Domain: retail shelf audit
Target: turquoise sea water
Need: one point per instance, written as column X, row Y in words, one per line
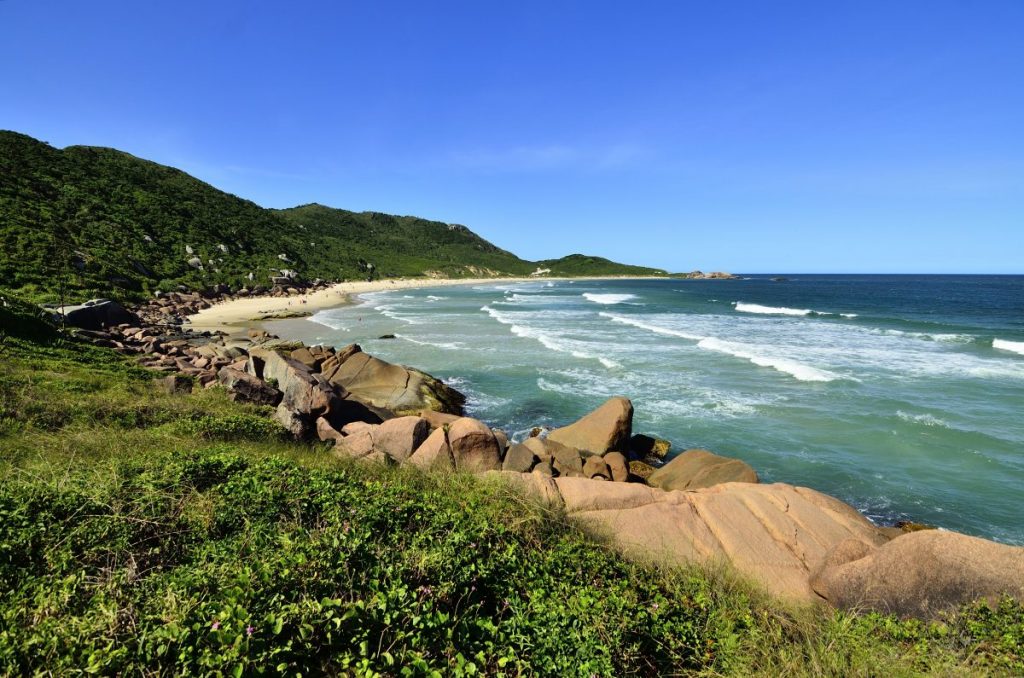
column 902, row 395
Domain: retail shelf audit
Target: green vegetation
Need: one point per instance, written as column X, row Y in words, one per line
column 148, row 533
column 100, row 222
column 582, row 265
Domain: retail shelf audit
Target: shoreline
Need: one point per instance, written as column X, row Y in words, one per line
column 239, row 314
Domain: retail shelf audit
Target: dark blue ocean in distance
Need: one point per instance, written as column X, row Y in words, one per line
column 902, row 395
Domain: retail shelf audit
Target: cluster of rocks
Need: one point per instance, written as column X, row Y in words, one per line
column 594, row 448
column 173, row 308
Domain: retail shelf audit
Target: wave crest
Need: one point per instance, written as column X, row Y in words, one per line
column 608, row 299
column 790, row 367
column 1012, row 346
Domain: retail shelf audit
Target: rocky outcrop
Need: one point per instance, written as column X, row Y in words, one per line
column 403, row 390
column 394, row 440
column 605, row 429
column 775, row 535
column 474, row 446
column 519, row 458
column 245, row 388
column 694, row 469
column 97, row 314
column 919, row 574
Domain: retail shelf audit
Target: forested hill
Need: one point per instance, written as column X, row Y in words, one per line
column 104, row 223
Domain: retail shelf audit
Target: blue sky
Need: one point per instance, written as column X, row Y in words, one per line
column 745, row 136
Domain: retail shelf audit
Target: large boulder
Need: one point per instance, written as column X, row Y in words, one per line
column 400, row 437
column 564, row 460
column 403, row 390
column 772, row 534
column 395, row 439
column 474, row 446
column 360, row 445
column 244, row 387
column 98, row 314
column 519, row 458
column 919, row 574
column 605, row 429
column 694, row 469
column 434, row 454
column 617, row 466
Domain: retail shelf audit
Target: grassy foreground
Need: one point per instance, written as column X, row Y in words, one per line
column 148, row 534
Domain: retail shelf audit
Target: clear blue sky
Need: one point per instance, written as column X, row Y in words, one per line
column 745, row 136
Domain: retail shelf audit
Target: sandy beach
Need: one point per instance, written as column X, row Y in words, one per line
column 232, row 316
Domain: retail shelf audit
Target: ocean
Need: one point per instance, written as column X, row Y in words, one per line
column 902, row 395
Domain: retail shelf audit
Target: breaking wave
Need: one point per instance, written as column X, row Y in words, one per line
column 548, row 341
column 650, row 328
column 790, row 367
column 1012, row 346
column 452, row 345
column 923, row 419
column 770, row 310
column 608, row 299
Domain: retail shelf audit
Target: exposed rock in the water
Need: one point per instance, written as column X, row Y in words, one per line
column 98, row 314
column 606, row 428
column 694, row 469
column 387, row 336
column 919, row 574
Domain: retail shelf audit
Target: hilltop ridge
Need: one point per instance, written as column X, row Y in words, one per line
column 102, row 222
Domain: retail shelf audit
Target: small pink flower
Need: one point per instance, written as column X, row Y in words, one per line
column 215, row 625
column 249, row 630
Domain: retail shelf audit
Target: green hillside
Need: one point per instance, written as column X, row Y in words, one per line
column 583, row 265
column 398, row 246
column 101, row 222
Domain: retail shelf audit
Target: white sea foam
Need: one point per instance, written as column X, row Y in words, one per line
column 547, row 340
column 431, row 297
column 770, row 310
column 790, row 367
column 650, row 328
column 326, row 319
column 941, row 337
column 450, row 345
column 608, row 298
column 390, row 313
column 848, row 315
column 1012, row 346
column 924, row 419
